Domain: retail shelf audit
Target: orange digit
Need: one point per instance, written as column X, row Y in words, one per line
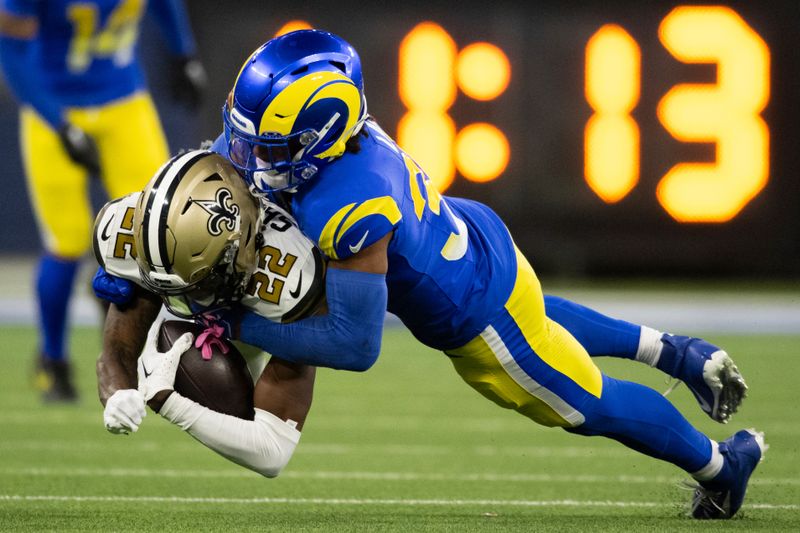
column 611, row 164
column 427, row 88
column 726, row 113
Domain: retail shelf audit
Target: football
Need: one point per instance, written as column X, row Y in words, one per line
column 222, row 383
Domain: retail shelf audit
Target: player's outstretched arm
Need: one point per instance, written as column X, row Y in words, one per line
column 349, row 336
column 285, row 389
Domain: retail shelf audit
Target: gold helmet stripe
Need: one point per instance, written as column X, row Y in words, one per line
column 283, row 111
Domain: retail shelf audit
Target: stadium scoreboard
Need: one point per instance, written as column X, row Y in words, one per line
column 614, row 139
column 627, row 138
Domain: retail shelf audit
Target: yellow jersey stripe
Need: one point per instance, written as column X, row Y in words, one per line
column 383, row 205
column 329, row 231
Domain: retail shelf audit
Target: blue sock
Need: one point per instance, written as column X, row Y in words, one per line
column 54, row 281
column 597, row 333
column 642, row 419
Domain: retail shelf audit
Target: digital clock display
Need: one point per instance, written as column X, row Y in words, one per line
column 614, row 138
column 623, row 138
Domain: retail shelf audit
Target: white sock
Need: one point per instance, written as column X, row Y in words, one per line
column 713, row 467
column 649, row 350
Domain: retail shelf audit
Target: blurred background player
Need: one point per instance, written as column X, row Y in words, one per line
column 85, row 112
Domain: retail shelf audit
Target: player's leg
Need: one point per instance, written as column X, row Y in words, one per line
column 707, row 370
column 602, row 335
column 58, row 192
column 133, row 145
column 529, row 363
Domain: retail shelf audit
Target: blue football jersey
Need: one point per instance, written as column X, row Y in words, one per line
column 86, row 50
column 452, row 263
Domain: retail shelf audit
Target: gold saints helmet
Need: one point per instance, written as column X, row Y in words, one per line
column 196, row 225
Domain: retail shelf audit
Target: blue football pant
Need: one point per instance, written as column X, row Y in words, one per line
column 526, row 361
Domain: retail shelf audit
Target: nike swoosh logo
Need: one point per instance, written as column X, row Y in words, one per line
column 105, row 235
column 355, row 249
column 296, row 292
column 146, row 373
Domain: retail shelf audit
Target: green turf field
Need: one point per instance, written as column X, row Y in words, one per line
column 405, row 447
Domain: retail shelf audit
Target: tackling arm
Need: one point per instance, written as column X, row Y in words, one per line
column 349, row 336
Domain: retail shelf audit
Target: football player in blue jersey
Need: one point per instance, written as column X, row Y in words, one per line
column 296, row 127
column 85, row 112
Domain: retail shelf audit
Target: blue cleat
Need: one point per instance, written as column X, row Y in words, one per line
column 708, row 371
column 721, row 499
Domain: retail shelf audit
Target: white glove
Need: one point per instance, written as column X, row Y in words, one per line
column 156, row 369
column 124, row 412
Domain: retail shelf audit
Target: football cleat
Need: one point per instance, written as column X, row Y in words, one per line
column 721, row 500
column 708, row 371
column 54, row 380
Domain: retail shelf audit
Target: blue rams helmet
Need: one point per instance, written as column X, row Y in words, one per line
column 296, row 101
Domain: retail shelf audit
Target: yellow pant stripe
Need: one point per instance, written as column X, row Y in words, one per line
column 551, row 342
column 478, row 365
column 506, row 360
column 556, row 365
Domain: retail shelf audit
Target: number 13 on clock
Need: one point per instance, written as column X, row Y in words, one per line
column 726, row 113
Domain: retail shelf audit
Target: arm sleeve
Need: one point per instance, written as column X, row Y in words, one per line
column 263, row 445
column 24, row 81
column 347, row 338
column 174, row 22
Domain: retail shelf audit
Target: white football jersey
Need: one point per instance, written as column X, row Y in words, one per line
column 288, row 279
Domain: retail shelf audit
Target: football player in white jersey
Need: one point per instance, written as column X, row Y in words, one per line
column 196, row 240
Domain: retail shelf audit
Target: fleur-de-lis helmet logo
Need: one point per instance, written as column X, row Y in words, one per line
column 222, row 211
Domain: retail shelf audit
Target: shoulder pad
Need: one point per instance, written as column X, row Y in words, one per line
column 357, row 225
column 112, row 238
column 347, row 212
column 288, row 280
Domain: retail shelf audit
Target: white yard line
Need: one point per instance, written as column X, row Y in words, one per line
column 357, row 501
column 365, row 476
column 475, row 425
column 80, row 446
